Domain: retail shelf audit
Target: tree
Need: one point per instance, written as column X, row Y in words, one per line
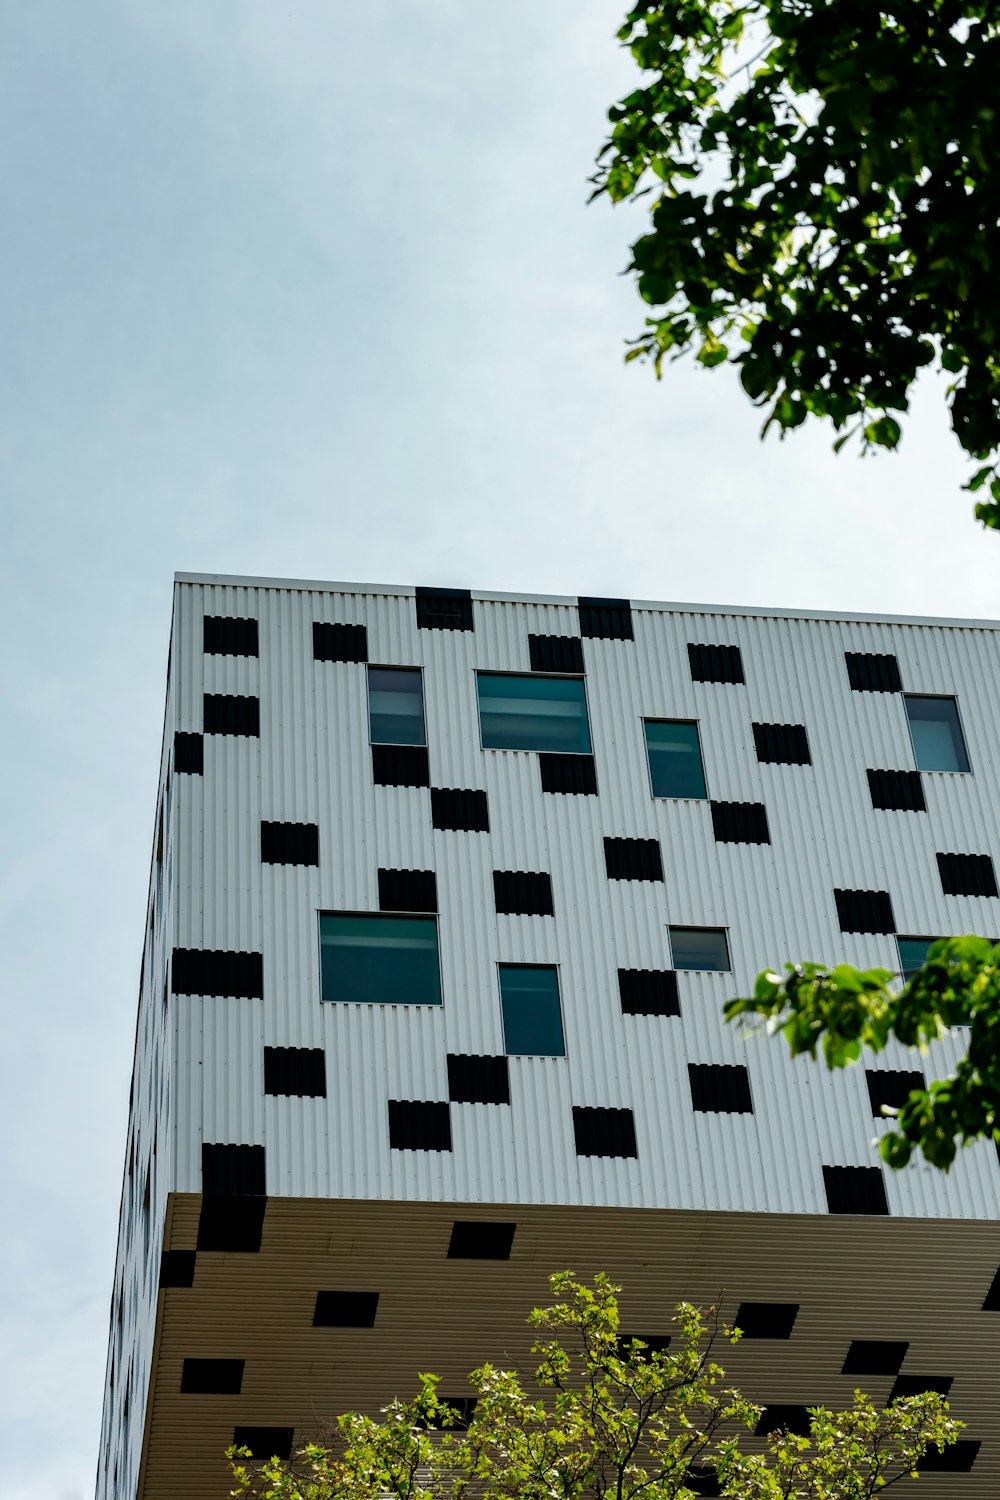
column 607, row 1419
column 824, row 194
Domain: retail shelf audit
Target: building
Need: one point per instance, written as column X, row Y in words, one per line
column 447, row 894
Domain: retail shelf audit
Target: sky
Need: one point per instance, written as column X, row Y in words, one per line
column 295, row 288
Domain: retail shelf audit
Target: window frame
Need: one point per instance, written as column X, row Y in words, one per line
column 673, row 927
column 376, row 916
column 580, row 677
column 945, row 698
column 667, row 796
column 501, row 965
column 379, row 666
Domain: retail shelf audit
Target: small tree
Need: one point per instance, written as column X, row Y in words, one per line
column 608, row 1419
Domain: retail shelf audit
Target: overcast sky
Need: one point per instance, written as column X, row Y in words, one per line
column 311, row 289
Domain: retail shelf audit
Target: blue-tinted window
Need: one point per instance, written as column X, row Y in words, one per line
column 675, row 768
column 938, row 743
column 533, row 713
column 395, row 706
column 913, row 954
column 374, row 960
column 532, row 1021
column 700, row 948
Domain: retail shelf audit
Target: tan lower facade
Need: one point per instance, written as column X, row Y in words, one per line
column 918, row 1282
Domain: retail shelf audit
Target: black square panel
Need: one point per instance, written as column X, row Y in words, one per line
column 231, row 1223
column 407, row 890
column 460, row 810
column 967, row 875
column 476, row 1239
column 238, row 1170
column 783, row 1419
column 957, row 1458
column 766, row 1320
column 633, row 859
column 419, row 1125
column 400, row 765
column 870, row 672
column 570, row 775
column 864, row 911
column 197, row 971
column 896, row 791
column 561, row 654
column 875, row 1357
column 229, row 713
column 740, row 823
column 648, row 992
column 715, row 663
column 298, row 1071
column 345, row 1309
column 189, row 754
column 991, row 1302
column 523, row 893
column 289, row 843
column 212, row 1377
column 225, row 637
column 781, row 744
column 444, row 609
column 478, row 1080
column 855, row 1190
column 265, row 1442
column 339, row 642
column 605, row 619
column 892, row 1089
column 177, row 1268
column 720, row 1088
column 604, row 1132
column 906, row 1386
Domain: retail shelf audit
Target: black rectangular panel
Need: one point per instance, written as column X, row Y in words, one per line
column 648, row 992
column 345, row 1309
column 289, row 843
column 967, row 875
column 720, row 1088
column 478, row 1080
column 715, row 663
column 633, row 859
column 229, row 713
column 992, row 1300
column 407, row 890
column 400, row 765
column 855, row 1190
column 225, row 637
column 783, row 1419
column 444, row 609
column 655, row 1343
column 463, row 1409
column 233, row 1169
column 740, row 823
column 339, row 642
column 265, row 1442
column 868, row 672
column 523, row 893
column 781, row 744
column 864, row 911
column 212, row 1377
column 189, row 754
column 300, row 1071
column 573, row 775
column 231, row 1223
column 605, row 619
column 891, row 1088
column 419, row 1125
column 703, row 1480
column 766, row 1320
column 177, row 1268
column 906, row 1386
column 556, row 653
column 196, row 971
column 476, row 1239
column 457, row 808
column 957, row 1458
column 874, row 1357
column 896, row 791
column 604, row 1132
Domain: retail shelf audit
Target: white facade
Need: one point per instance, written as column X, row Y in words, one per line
column 200, row 1058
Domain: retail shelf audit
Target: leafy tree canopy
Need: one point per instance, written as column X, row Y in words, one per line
column 824, row 180
column 605, row 1418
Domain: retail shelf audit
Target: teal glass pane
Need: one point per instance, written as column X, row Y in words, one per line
column 532, row 1022
column 379, row 960
column 533, row 713
column 700, row 948
column 938, row 744
column 675, row 768
column 395, row 706
column 913, row 954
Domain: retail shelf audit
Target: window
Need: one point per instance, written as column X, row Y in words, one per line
column 700, row 948
column 533, row 713
column 675, row 768
column 938, row 744
column 913, row 954
column 532, row 1022
column 369, row 960
column 395, row 706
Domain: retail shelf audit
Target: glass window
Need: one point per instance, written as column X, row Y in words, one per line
column 913, row 954
column 395, row 706
column 675, row 768
column 938, row 744
column 375, row 960
column 533, row 713
column 532, row 1021
column 700, row 948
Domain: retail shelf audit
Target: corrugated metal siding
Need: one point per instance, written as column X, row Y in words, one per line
column 312, row 765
